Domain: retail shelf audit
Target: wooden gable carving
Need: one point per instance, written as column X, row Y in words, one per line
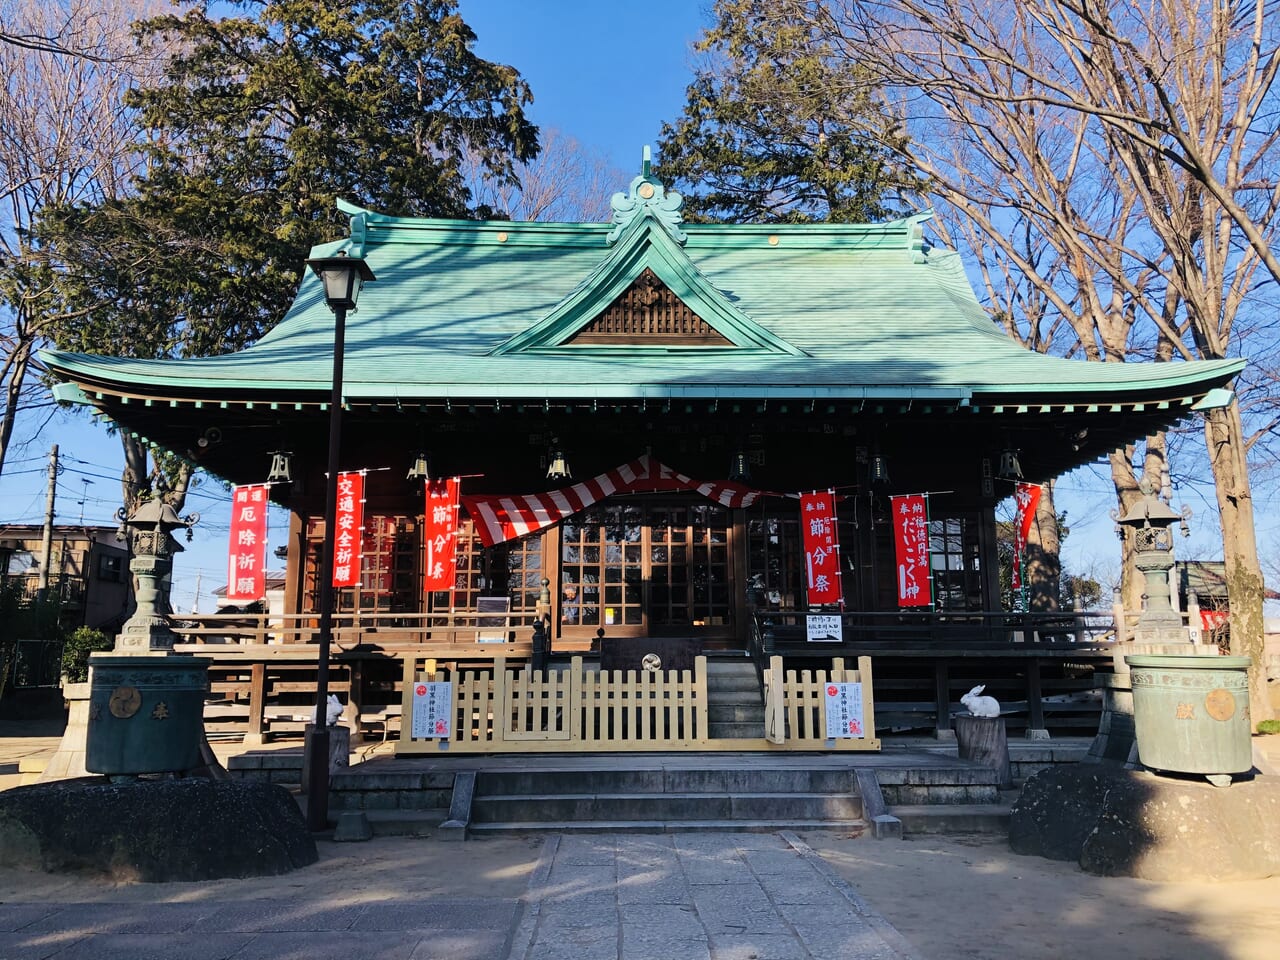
column 647, row 312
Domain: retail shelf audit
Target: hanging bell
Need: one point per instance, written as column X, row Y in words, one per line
column 1010, row 468
column 559, row 469
column 879, row 470
column 740, row 467
column 419, row 471
column 281, row 467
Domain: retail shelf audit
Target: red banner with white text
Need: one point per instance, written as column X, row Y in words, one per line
column 1026, row 497
column 440, row 533
column 348, row 523
column 911, row 549
column 821, row 548
column 247, row 557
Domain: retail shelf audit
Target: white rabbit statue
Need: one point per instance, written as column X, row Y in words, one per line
column 981, row 706
column 332, row 712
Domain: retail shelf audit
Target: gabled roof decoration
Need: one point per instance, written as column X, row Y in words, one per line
column 645, row 244
column 648, row 198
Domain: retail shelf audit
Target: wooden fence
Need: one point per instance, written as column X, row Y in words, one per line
column 516, row 710
column 795, row 705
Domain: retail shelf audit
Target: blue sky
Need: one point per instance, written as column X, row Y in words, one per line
column 609, row 75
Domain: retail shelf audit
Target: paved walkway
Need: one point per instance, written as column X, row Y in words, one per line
column 719, row 896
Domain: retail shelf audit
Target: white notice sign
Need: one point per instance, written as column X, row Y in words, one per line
column 432, row 702
column 823, row 628
column 844, row 711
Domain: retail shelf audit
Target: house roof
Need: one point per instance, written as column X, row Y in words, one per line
column 469, row 312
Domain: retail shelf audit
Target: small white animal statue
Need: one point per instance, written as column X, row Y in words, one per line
column 981, row 706
column 332, row 712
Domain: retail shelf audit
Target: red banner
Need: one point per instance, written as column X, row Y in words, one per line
column 1027, row 497
column 821, row 548
column 440, row 533
column 911, row 548
column 247, row 558
column 348, row 523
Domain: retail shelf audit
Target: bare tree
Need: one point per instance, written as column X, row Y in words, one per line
column 567, row 182
column 1171, row 100
column 65, row 137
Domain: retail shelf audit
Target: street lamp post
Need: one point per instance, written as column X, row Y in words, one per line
column 343, row 277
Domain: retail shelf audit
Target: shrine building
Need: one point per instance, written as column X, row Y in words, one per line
column 633, row 410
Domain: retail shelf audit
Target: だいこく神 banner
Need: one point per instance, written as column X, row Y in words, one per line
column 246, row 558
column 821, row 547
column 911, row 549
column 348, row 524
column 440, row 534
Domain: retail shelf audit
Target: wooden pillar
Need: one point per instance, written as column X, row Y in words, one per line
column 984, row 740
column 740, row 575
column 942, row 700
column 1036, row 729
column 254, row 736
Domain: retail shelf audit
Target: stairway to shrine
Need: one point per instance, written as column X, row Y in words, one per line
column 735, row 699
column 640, row 795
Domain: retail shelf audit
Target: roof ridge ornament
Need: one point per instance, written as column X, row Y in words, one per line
column 917, row 245
column 648, row 197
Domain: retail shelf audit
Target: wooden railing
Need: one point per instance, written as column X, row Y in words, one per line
column 352, row 630
column 786, row 631
column 506, row 710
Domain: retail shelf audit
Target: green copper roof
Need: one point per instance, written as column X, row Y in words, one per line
column 473, row 311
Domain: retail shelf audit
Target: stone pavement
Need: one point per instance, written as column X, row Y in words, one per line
column 720, row 896
column 696, row 896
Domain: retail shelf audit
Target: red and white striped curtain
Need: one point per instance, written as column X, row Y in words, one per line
column 501, row 518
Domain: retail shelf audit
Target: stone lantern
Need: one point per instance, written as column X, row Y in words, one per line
column 146, row 703
column 1148, row 525
column 151, row 546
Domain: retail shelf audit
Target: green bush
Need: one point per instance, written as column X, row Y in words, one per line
column 76, row 649
column 1269, row 726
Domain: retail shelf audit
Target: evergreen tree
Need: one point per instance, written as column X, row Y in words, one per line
column 264, row 121
column 772, row 133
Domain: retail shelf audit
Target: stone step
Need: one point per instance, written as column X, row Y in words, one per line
column 666, row 806
column 990, row 818
column 402, row 823
column 665, row 826
column 745, row 730
column 736, row 713
column 493, row 783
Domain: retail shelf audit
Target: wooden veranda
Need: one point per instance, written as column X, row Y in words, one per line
column 1040, row 666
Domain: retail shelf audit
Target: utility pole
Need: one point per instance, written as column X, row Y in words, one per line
column 46, row 546
column 195, row 603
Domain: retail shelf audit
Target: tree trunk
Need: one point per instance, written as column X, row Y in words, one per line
column 1224, row 436
column 1044, row 568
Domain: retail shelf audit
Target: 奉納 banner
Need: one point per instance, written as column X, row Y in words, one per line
column 440, row 534
column 911, row 549
column 821, row 547
column 348, row 524
column 246, row 559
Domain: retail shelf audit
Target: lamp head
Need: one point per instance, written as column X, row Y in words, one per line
column 342, row 277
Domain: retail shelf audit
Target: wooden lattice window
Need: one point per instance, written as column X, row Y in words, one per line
column 647, row 312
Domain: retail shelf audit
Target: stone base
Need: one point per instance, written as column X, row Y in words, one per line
column 155, row 831
column 1136, row 824
column 67, row 762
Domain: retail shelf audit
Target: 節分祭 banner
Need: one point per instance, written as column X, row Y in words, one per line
column 441, row 534
column 821, row 547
